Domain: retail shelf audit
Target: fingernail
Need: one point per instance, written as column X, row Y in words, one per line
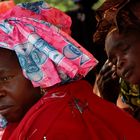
column 113, row 68
column 107, row 61
column 109, row 64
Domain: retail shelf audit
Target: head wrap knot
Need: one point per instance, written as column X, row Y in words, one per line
column 47, row 54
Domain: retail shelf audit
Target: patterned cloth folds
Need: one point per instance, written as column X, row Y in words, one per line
column 47, row 54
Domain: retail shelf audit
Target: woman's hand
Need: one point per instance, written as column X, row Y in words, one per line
column 108, row 82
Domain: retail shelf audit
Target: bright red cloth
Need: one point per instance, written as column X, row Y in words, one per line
column 6, row 5
column 73, row 112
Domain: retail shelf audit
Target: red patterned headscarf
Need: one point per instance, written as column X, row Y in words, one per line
column 38, row 34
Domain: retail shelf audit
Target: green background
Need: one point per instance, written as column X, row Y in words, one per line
column 64, row 5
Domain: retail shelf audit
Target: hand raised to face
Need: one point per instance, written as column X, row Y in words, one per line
column 108, row 82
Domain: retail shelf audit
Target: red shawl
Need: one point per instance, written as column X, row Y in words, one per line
column 73, row 112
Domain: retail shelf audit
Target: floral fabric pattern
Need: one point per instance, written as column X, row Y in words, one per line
column 130, row 94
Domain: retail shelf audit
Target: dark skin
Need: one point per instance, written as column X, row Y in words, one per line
column 123, row 51
column 105, row 89
column 17, row 95
column 124, row 58
column 108, row 82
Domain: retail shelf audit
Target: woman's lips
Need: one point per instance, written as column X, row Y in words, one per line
column 4, row 108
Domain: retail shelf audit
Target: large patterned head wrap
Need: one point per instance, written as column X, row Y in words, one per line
column 38, row 34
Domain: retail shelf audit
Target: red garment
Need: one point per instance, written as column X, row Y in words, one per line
column 73, row 112
column 6, row 5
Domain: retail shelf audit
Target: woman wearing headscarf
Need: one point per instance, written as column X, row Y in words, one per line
column 42, row 95
column 126, row 13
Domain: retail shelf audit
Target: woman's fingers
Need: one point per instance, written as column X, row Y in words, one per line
column 106, row 67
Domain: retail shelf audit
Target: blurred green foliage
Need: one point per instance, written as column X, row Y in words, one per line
column 64, row 5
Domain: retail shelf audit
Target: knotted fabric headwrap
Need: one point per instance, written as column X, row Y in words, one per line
column 38, row 34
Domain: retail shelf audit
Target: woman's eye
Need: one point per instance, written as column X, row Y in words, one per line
column 126, row 48
column 5, row 78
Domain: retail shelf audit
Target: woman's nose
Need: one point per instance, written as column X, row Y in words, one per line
column 2, row 92
column 120, row 66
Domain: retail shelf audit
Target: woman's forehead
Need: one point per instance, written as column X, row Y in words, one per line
column 6, row 53
column 128, row 35
column 113, row 36
column 114, row 41
column 8, row 58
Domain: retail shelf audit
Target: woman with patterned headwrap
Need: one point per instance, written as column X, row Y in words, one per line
column 42, row 95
